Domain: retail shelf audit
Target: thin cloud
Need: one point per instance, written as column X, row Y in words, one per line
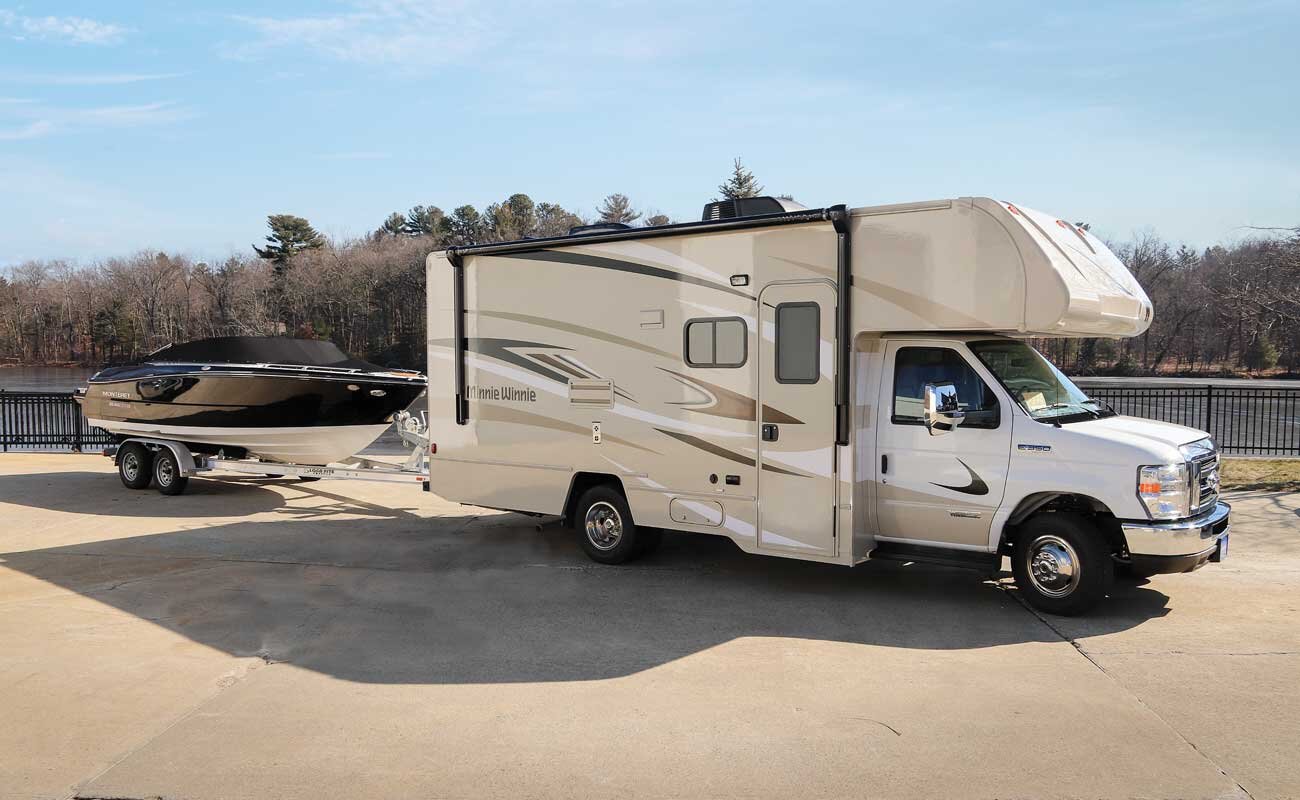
column 87, row 79
column 394, row 32
column 49, row 120
column 71, row 30
column 35, row 130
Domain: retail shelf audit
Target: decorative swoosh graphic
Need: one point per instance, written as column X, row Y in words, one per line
column 552, row 366
column 730, row 455
column 602, row 262
column 720, row 402
column 976, row 485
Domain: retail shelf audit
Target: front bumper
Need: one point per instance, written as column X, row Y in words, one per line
column 1180, row 545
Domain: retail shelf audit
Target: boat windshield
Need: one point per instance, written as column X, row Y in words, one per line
column 1036, row 384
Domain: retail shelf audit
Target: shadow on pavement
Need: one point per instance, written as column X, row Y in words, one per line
column 466, row 599
column 82, row 493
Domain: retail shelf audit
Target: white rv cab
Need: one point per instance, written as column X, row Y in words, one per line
column 825, row 384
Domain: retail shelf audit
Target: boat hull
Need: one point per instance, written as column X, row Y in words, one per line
column 277, row 414
column 316, row 445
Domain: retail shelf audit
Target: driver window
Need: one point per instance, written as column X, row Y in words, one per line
column 914, row 367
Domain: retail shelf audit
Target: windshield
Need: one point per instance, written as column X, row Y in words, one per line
column 1038, row 386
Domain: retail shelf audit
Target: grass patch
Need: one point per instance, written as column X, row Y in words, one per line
column 1261, row 473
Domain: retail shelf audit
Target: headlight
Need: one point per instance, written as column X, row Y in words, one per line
column 1165, row 490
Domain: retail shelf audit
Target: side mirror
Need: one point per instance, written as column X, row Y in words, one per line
column 942, row 413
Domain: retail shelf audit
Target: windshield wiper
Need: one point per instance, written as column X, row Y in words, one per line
column 1057, row 418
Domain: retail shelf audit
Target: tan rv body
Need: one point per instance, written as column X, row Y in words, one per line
column 575, row 363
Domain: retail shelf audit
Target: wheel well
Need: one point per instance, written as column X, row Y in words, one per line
column 1064, row 503
column 582, row 481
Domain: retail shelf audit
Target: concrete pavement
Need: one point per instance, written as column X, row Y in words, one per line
column 266, row 638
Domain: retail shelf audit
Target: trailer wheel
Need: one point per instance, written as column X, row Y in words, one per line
column 1062, row 564
column 134, row 466
column 605, row 528
column 167, row 473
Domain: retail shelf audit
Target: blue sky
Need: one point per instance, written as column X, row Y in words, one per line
column 176, row 125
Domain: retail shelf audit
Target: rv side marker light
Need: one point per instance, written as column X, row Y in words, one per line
column 433, row 448
column 739, row 280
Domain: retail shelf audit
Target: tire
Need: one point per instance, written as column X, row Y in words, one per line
column 167, row 473
column 135, row 465
column 1051, row 545
column 605, row 528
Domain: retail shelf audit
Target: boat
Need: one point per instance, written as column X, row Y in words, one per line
column 297, row 401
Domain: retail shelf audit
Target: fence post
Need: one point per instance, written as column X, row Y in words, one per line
column 1209, row 406
column 76, row 425
column 4, row 421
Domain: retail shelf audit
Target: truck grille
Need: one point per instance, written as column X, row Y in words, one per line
column 1205, row 475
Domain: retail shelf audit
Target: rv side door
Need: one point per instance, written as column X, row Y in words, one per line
column 796, row 432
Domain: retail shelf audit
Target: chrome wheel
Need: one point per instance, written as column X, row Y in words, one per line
column 131, row 466
column 604, row 526
column 1053, row 566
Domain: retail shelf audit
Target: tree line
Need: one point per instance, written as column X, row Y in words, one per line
column 1228, row 309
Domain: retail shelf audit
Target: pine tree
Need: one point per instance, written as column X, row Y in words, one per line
column 427, row 221
column 466, row 225
column 1261, row 354
column 617, row 208
column 741, row 184
column 554, row 220
column 513, row 219
column 289, row 235
column 394, row 225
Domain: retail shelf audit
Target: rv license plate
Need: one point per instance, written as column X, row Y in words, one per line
column 1223, row 547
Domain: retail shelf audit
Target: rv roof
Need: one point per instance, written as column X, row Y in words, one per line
column 735, row 223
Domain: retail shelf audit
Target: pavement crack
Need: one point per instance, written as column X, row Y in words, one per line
column 884, row 725
column 232, row 678
column 1138, row 699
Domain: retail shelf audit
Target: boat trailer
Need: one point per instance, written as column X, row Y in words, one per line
column 168, row 465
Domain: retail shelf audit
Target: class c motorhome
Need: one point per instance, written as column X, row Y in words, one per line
column 827, row 384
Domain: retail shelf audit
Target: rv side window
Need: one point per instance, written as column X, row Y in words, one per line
column 914, row 367
column 798, row 343
column 721, row 342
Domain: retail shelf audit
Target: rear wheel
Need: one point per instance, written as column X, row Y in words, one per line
column 605, row 528
column 1062, row 564
column 135, row 465
column 167, row 473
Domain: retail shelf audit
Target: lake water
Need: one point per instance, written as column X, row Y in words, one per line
column 43, row 379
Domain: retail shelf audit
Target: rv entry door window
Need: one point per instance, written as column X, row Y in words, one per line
column 718, row 342
column 798, row 343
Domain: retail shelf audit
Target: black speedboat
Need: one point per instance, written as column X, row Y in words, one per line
column 301, row 401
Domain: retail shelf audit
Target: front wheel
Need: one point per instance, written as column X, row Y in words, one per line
column 1062, row 564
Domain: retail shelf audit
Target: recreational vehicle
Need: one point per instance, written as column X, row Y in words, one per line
column 834, row 384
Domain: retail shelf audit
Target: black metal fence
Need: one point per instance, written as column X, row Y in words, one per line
column 46, row 421
column 1244, row 421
